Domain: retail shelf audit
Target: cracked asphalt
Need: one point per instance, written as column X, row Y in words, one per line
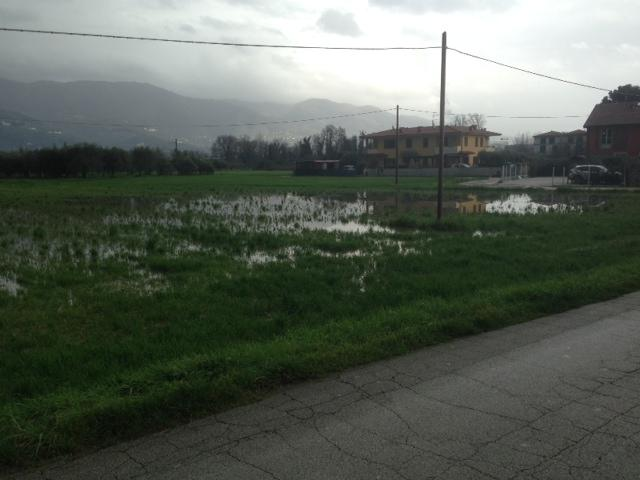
column 555, row 398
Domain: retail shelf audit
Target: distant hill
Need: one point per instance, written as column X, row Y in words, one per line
column 119, row 110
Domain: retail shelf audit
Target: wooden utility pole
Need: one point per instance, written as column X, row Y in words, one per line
column 397, row 140
column 443, row 81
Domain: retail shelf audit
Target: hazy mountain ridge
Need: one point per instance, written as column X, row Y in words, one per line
column 25, row 107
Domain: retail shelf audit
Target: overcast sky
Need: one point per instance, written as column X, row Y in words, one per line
column 584, row 40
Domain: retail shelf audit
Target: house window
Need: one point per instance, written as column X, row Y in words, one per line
column 389, row 144
column 446, row 140
column 543, row 140
column 425, row 142
column 409, row 143
column 376, row 144
column 571, row 139
column 482, row 141
column 606, row 136
column 543, row 148
column 466, row 141
column 476, row 141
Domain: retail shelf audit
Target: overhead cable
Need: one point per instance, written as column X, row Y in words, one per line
column 203, row 42
column 531, row 72
column 497, row 116
column 228, row 125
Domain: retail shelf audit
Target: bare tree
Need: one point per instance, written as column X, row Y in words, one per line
column 522, row 142
column 464, row 120
column 227, row 146
column 461, row 120
column 522, row 139
column 477, row 119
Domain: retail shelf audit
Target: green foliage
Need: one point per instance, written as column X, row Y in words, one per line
column 93, row 352
column 624, row 93
column 86, row 160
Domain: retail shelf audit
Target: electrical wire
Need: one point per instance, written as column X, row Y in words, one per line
column 531, row 72
column 203, row 42
column 228, row 125
column 317, row 47
column 306, row 47
column 528, row 117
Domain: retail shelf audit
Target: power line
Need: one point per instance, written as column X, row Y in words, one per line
column 529, row 117
column 531, row 72
column 202, row 42
column 498, row 116
column 228, row 125
column 304, row 47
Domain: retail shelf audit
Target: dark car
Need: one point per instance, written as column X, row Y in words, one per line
column 594, row 175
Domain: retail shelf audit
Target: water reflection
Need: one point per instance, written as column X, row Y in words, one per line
column 290, row 254
column 10, row 285
column 287, row 213
column 410, row 203
column 471, row 204
column 522, row 204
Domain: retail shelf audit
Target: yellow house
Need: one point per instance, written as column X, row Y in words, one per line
column 419, row 146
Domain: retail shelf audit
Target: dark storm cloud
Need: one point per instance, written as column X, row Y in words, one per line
column 333, row 21
column 421, row 6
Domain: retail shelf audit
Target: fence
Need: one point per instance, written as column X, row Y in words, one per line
column 433, row 172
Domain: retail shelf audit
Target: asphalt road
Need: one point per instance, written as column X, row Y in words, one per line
column 555, row 398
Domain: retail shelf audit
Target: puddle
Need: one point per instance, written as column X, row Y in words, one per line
column 470, row 204
column 287, row 213
column 481, row 234
column 10, row 285
column 129, row 229
column 523, row 204
column 185, row 247
column 141, row 282
column 291, row 254
column 41, row 255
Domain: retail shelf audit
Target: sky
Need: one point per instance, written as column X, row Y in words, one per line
column 586, row 41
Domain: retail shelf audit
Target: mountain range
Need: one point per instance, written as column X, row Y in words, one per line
column 126, row 114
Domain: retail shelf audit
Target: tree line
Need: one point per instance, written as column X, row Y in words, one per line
column 227, row 151
column 83, row 160
column 331, row 143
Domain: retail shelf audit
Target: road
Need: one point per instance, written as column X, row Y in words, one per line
column 555, row 398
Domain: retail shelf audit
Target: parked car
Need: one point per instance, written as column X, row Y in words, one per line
column 460, row 165
column 593, row 175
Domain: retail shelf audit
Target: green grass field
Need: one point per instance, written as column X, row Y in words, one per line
column 131, row 304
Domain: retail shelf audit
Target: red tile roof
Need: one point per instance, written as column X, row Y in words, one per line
column 620, row 113
column 406, row 131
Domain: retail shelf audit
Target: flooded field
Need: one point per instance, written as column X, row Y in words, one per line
column 129, row 230
column 120, row 303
